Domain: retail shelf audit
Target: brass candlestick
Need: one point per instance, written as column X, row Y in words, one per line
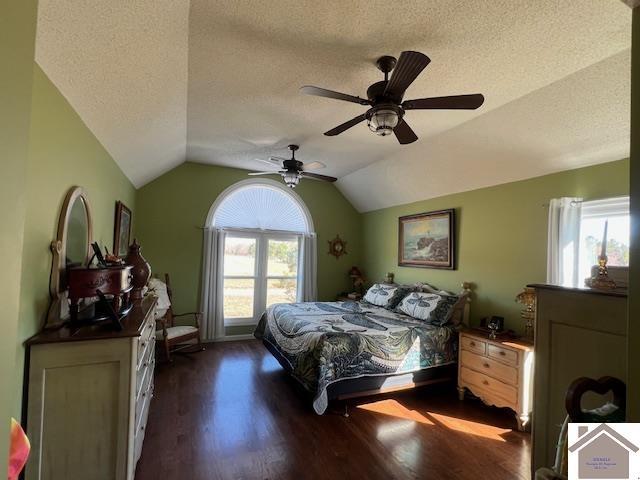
column 601, row 280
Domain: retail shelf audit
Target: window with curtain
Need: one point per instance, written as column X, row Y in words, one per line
column 265, row 253
column 615, row 212
column 260, row 269
column 576, row 230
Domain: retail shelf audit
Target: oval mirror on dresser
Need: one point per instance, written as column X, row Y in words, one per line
column 70, row 248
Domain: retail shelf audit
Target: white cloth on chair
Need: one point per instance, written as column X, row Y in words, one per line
column 177, row 331
column 159, row 289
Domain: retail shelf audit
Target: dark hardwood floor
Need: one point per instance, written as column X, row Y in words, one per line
column 231, row 412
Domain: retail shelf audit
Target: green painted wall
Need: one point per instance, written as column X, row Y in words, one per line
column 633, row 357
column 501, row 235
column 171, row 209
column 17, row 39
column 62, row 153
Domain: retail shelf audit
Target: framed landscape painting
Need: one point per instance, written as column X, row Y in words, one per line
column 427, row 240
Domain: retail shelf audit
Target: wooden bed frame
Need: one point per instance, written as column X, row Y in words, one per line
column 380, row 384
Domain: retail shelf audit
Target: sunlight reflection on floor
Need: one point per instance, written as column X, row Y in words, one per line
column 394, row 408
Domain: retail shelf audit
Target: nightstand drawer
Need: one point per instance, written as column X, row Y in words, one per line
column 473, row 344
column 489, row 367
column 486, row 382
column 502, row 354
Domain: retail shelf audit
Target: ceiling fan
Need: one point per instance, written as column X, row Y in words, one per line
column 387, row 110
column 293, row 170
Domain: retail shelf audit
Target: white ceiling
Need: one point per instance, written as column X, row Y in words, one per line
column 161, row 81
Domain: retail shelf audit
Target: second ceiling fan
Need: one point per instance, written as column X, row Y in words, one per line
column 385, row 98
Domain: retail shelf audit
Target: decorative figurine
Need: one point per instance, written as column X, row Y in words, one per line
column 528, row 298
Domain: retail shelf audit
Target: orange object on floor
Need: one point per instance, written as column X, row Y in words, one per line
column 19, row 448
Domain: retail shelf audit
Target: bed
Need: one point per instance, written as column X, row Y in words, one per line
column 337, row 350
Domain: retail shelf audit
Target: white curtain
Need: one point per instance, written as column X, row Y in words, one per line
column 212, row 327
column 307, row 268
column 563, row 241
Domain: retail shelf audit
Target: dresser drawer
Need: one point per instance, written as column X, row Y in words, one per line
column 145, row 392
column 147, row 337
column 145, row 370
column 473, row 344
column 489, row 367
column 503, row 354
column 141, row 425
column 496, row 387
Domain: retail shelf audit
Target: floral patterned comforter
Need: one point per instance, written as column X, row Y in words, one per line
column 324, row 342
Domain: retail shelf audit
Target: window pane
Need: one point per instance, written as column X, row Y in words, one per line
column 238, row 298
column 283, row 258
column 591, row 231
column 239, row 256
column 281, row 291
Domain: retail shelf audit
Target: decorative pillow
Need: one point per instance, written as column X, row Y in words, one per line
column 433, row 308
column 419, row 305
column 386, row 296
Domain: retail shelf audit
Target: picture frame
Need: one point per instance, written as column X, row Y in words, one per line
column 122, row 230
column 427, row 240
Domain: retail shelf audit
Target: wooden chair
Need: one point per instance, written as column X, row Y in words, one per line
column 173, row 337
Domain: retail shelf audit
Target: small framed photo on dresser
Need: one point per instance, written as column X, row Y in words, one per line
column 427, row 240
column 122, row 230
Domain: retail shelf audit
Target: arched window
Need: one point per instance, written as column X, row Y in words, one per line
column 260, row 205
column 259, row 250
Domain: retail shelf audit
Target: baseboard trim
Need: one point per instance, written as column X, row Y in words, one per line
column 234, row 338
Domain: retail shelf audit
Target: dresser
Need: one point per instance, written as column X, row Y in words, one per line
column 89, row 392
column 580, row 332
column 499, row 372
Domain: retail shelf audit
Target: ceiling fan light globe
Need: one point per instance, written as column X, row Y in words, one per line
column 291, row 179
column 383, row 121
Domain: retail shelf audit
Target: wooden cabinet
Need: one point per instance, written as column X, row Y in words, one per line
column 579, row 333
column 499, row 372
column 89, row 394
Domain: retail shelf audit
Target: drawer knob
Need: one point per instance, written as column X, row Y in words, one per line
column 144, row 343
column 502, row 353
column 485, row 382
column 145, row 364
column 486, row 365
column 473, row 344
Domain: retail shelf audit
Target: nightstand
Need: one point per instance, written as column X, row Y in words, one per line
column 499, row 372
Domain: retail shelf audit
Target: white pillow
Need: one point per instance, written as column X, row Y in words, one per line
column 382, row 295
column 419, row 305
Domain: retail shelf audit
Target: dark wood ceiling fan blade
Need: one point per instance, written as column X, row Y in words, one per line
column 453, row 102
column 404, row 133
column 323, row 92
column 346, row 125
column 317, row 176
column 409, row 66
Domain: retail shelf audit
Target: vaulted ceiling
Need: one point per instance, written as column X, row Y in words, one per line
column 164, row 81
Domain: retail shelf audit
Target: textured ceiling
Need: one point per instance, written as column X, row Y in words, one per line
column 554, row 74
column 122, row 64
